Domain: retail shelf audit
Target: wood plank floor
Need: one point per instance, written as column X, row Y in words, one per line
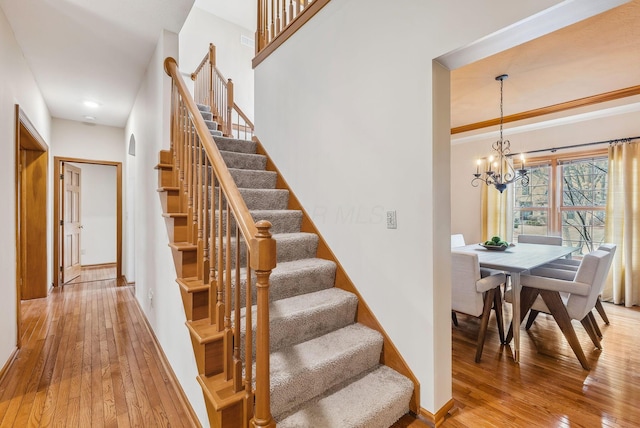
column 88, row 360
column 548, row 388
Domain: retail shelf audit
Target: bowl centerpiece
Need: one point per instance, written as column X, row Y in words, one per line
column 495, row 244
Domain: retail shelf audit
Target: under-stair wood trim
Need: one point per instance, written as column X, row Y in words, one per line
column 171, row 379
column 195, row 297
column 390, row 355
column 57, row 162
column 289, row 31
column 438, row 417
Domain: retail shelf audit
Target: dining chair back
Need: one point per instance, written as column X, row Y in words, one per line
column 475, row 295
column 540, row 239
column 457, row 240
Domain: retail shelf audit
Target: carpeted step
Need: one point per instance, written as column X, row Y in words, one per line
column 262, row 199
column 293, row 278
column 206, row 115
column 203, row 107
column 308, row 369
column 213, row 126
column 215, row 133
column 282, row 221
column 235, row 145
column 289, row 246
column 376, row 400
column 244, row 160
column 254, row 179
column 301, row 318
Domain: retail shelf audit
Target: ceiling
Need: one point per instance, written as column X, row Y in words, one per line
column 92, row 50
column 98, row 50
column 597, row 55
column 240, row 12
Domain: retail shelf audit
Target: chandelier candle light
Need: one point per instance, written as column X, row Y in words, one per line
column 499, row 169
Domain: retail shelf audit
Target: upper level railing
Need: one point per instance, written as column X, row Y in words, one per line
column 213, row 90
column 228, row 241
column 278, row 20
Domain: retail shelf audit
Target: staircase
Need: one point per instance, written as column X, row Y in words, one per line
column 325, row 366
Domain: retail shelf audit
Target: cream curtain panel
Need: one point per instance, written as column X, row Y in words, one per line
column 497, row 215
column 622, row 224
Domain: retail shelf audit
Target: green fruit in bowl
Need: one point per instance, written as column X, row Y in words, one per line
column 496, row 240
column 489, row 243
column 503, row 243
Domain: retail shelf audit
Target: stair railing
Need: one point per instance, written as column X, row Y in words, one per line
column 278, row 20
column 226, row 237
column 212, row 89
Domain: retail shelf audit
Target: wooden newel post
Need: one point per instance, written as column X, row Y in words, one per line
column 229, row 107
column 264, row 246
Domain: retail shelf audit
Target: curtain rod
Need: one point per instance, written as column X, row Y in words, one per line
column 555, row 149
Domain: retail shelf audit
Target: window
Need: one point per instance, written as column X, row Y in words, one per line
column 565, row 196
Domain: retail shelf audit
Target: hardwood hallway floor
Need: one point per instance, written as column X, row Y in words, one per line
column 88, row 360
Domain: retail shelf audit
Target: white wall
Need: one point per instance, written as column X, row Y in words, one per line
column 233, row 59
column 81, row 140
column 347, row 110
column 584, row 129
column 17, row 86
column 97, row 214
column 155, row 271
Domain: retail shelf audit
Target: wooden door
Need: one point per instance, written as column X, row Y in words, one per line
column 71, row 226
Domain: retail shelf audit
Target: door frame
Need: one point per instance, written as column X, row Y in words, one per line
column 32, row 141
column 57, row 242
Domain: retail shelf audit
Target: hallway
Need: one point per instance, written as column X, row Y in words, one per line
column 88, row 359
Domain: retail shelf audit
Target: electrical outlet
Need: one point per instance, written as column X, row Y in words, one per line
column 392, row 222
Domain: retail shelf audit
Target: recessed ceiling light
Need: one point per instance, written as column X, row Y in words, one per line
column 89, row 118
column 91, row 104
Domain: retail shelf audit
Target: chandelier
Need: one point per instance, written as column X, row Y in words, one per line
column 498, row 168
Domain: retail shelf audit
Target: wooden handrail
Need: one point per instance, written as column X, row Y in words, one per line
column 243, row 116
column 195, row 157
column 238, row 206
column 213, row 89
column 276, row 23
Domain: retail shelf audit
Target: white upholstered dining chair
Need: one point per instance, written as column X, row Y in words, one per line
column 475, row 295
column 568, row 299
column 540, row 239
column 457, row 240
column 572, row 265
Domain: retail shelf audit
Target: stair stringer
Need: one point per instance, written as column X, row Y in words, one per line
column 390, row 356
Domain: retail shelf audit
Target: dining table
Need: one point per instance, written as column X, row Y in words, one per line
column 515, row 260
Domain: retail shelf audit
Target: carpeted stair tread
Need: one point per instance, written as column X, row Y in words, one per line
column 301, row 318
column 206, row 115
column 376, row 400
column 244, row 160
column 254, row 179
column 293, row 278
column 203, row 107
column 308, row 369
column 235, row 145
column 289, row 246
column 262, row 199
column 213, row 126
column 282, row 221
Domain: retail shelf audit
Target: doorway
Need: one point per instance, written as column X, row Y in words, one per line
column 31, row 213
column 67, row 216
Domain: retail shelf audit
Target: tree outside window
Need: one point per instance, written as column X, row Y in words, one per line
column 565, row 197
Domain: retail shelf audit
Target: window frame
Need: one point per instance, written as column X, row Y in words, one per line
column 555, row 207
